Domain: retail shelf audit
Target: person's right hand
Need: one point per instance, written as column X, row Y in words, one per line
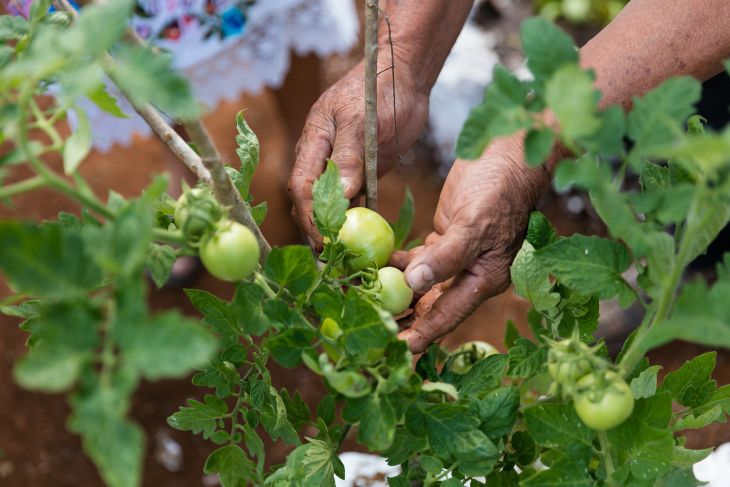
column 335, row 129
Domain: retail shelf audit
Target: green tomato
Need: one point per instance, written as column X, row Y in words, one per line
column 231, row 252
column 196, row 211
column 566, row 367
column 332, row 330
column 470, row 353
column 394, row 294
column 576, row 10
column 367, row 234
column 603, row 409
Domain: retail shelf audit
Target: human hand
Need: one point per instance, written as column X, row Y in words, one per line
column 480, row 223
column 335, row 128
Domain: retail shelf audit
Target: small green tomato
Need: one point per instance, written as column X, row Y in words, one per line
column 367, row 234
column 394, row 294
column 231, row 252
column 603, row 409
column 470, row 353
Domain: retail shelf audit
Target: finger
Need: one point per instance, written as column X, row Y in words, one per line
column 442, row 259
column 312, row 150
column 401, row 258
column 347, row 153
column 467, row 291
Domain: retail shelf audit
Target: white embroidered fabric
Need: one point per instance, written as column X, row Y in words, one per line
column 224, row 68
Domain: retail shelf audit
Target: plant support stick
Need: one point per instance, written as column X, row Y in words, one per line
column 371, row 104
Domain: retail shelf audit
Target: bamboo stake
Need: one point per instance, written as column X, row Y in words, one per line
column 371, row 104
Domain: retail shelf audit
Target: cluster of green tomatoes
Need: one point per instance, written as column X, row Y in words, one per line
column 230, row 252
column 601, row 397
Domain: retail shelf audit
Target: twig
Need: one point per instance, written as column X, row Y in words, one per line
column 224, row 189
column 392, row 78
column 209, row 168
column 173, row 141
column 371, row 104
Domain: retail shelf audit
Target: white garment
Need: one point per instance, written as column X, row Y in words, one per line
column 224, row 68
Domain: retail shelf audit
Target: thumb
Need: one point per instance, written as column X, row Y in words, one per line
column 347, row 154
column 442, row 259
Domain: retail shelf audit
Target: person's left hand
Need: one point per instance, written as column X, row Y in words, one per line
column 479, row 225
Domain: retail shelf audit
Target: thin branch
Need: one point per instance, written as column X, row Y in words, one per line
column 224, row 189
column 371, row 104
column 392, row 78
column 209, row 168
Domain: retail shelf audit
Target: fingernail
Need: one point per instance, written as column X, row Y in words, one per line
column 345, row 184
column 420, row 278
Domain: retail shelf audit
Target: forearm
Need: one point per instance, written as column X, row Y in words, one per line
column 423, row 33
column 652, row 40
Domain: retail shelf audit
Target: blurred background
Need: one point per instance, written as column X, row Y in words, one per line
column 273, row 58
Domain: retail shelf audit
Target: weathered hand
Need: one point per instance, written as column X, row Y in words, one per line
column 479, row 225
column 335, row 128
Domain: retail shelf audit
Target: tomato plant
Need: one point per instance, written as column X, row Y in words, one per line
column 524, row 417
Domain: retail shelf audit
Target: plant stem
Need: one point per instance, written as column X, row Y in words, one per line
column 371, row 104
column 606, row 450
column 169, row 236
column 343, row 435
column 261, row 281
column 21, row 187
column 223, row 187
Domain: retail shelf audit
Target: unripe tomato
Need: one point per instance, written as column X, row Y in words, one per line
column 394, row 294
column 196, row 211
column 564, row 366
column 231, row 252
column 576, row 10
column 367, row 234
column 332, row 330
column 603, row 409
column 470, row 353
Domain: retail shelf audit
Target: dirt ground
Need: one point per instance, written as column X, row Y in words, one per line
column 36, row 450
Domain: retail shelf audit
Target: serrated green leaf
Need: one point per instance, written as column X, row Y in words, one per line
column 329, row 202
column 292, row 267
column 692, row 384
column 247, row 308
column 233, row 467
column 591, row 264
column 48, row 260
column 646, row 383
column 538, row 144
column 377, row 420
column 287, row 347
column 199, row 417
column 546, row 47
column 168, row 345
column 563, row 473
column 656, row 117
column 556, row 425
column 525, row 358
column 362, row 326
column 217, row 313
column 101, row 98
column 248, row 151
column 571, row 96
column 498, row 412
column 159, row 263
column 150, row 78
column 501, row 113
column 12, row 27
column 531, row 281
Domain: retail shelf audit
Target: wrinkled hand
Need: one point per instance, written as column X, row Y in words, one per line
column 479, row 225
column 335, row 128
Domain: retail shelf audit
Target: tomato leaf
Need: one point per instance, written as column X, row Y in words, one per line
column 571, row 96
column 101, row 98
column 292, row 267
column 402, row 227
column 531, row 281
column 329, row 202
column 546, row 47
column 232, row 465
column 554, row 424
column 591, row 264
